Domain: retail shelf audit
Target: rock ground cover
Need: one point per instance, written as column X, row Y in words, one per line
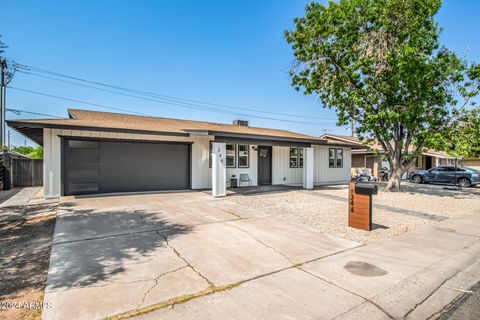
column 325, row 208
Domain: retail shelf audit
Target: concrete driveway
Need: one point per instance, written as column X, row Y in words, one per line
column 118, row 254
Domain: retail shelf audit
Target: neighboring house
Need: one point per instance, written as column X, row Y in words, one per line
column 471, row 162
column 101, row 152
column 366, row 157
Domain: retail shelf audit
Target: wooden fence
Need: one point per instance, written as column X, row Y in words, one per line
column 26, row 172
column 19, row 171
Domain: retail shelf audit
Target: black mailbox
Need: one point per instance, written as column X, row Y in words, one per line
column 366, row 188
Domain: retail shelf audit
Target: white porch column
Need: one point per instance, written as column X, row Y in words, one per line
column 308, row 166
column 219, row 170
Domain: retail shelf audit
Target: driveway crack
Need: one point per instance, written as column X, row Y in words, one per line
column 210, row 284
column 264, row 244
column 156, row 283
column 232, row 213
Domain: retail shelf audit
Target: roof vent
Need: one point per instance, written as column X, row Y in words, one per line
column 243, row 123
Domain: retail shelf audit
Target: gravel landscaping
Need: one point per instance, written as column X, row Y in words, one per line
column 325, row 208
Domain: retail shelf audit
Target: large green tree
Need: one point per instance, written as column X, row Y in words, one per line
column 380, row 64
column 461, row 139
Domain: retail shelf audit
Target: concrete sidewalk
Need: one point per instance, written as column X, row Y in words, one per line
column 24, row 202
column 412, row 276
column 25, row 196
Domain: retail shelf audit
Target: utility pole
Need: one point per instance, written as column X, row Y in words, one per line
column 3, row 67
column 8, row 140
column 353, row 128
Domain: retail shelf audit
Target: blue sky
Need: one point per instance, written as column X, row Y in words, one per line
column 226, row 52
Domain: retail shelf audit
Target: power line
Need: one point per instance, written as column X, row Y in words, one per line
column 172, row 103
column 75, row 100
column 24, row 68
column 18, row 112
column 182, row 104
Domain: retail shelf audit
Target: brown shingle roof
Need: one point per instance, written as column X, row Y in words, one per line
column 116, row 120
column 107, row 121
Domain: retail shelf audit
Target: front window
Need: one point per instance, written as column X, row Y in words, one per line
column 243, row 155
column 339, row 154
column 335, row 158
column 331, row 158
column 293, row 157
column 231, row 155
column 242, row 158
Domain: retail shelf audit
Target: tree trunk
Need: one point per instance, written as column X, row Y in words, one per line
column 395, row 178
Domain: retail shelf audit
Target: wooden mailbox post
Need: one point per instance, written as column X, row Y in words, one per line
column 360, row 205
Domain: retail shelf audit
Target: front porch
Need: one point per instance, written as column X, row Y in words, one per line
column 260, row 166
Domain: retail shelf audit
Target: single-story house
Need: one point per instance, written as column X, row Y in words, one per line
column 100, row 152
column 373, row 157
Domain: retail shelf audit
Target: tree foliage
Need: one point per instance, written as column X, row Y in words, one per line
column 462, row 138
column 380, row 63
column 29, row 151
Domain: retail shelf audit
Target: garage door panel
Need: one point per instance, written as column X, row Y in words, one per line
column 82, row 158
column 82, row 188
column 125, row 166
column 83, row 173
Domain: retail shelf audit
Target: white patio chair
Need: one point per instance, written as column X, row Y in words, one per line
column 244, row 178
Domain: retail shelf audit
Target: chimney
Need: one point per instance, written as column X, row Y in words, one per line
column 243, row 123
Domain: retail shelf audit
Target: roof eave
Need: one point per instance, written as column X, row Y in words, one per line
column 263, row 137
column 23, row 126
column 333, row 137
column 34, row 131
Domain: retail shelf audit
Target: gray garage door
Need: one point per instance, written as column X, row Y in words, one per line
column 92, row 166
